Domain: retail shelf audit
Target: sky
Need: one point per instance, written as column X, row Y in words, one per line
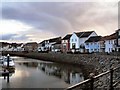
column 35, row 20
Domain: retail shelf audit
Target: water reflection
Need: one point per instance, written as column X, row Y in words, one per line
column 70, row 74
column 29, row 64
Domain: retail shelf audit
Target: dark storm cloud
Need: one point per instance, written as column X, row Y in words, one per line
column 61, row 18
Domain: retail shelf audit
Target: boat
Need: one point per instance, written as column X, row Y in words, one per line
column 2, row 59
column 11, row 63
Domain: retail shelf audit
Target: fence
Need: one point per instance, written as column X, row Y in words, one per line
column 107, row 81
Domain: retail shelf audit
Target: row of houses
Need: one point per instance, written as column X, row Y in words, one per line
column 91, row 42
column 83, row 42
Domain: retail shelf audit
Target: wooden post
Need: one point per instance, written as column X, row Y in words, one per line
column 8, row 58
column 8, row 77
column 111, row 79
column 91, row 81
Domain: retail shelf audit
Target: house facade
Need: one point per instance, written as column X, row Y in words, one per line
column 118, row 41
column 41, row 46
column 56, row 47
column 30, row 47
column 108, row 43
column 93, row 44
column 47, row 45
column 65, row 45
column 77, row 40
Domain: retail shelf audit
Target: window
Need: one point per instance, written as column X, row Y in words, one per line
column 87, row 44
column 75, row 39
column 91, row 49
column 118, row 41
column 95, row 50
column 64, row 46
column 72, row 40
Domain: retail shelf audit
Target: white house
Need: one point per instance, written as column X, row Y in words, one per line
column 93, row 44
column 47, row 45
column 109, row 44
column 77, row 40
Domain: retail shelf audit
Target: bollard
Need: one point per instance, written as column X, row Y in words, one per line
column 111, row 79
column 91, row 81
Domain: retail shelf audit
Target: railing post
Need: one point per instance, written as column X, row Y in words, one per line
column 91, row 81
column 111, row 79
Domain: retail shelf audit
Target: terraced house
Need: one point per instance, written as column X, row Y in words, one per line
column 93, row 44
column 77, row 40
column 118, row 40
column 66, row 43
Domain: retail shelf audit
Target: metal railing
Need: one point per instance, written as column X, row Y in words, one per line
column 113, row 76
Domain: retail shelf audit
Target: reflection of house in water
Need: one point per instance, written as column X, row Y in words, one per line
column 50, row 69
column 64, row 73
column 66, row 76
column 29, row 64
column 76, row 78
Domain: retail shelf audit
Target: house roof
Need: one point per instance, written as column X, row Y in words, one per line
column 42, row 42
column 58, row 42
column 58, row 39
column 84, row 34
column 110, row 37
column 67, row 37
column 94, row 39
column 31, row 43
column 54, row 39
column 79, row 34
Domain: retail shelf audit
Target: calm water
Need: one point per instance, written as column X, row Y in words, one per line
column 32, row 73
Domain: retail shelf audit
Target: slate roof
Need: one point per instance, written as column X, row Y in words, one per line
column 110, row 37
column 31, row 43
column 84, row 34
column 94, row 39
column 54, row 39
column 58, row 39
column 67, row 37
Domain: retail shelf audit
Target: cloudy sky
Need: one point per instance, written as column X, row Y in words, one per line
column 35, row 21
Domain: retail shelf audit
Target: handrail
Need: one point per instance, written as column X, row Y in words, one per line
column 78, row 84
column 96, row 77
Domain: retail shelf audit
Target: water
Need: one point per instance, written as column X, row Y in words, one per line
column 32, row 73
